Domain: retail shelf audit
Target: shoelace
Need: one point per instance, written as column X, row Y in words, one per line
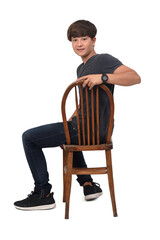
column 31, row 194
column 96, row 184
column 42, row 194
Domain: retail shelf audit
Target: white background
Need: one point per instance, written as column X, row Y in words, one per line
column 36, row 65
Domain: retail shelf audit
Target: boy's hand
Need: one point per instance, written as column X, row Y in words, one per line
column 91, row 80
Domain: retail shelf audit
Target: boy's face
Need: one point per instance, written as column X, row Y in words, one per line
column 83, row 46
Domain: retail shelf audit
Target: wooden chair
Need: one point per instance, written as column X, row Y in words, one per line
column 68, row 149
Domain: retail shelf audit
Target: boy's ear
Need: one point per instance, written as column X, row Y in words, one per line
column 94, row 41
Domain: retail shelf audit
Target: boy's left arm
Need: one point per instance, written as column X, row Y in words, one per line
column 123, row 76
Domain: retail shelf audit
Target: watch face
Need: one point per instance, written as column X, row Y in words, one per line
column 105, row 78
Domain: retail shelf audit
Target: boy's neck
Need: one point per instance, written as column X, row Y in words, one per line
column 85, row 59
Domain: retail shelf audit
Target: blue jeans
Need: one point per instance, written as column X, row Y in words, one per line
column 50, row 135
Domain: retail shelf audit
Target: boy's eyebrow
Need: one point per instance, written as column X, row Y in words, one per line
column 80, row 37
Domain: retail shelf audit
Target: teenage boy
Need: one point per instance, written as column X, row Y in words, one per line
column 95, row 69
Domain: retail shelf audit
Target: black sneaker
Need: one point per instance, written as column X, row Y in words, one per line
column 92, row 192
column 36, row 201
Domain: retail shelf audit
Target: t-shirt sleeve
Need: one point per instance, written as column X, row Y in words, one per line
column 110, row 63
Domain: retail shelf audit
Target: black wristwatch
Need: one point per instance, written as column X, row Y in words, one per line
column 104, row 78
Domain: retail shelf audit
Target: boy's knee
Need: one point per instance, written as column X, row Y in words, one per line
column 26, row 136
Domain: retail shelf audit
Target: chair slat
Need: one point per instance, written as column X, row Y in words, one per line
column 77, row 112
column 88, row 124
column 97, row 113
column 93, row 122
column 82, row 111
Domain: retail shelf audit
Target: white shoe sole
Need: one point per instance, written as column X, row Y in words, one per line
column 93, row 196
column 42, row 207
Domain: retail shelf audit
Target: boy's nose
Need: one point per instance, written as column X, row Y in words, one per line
column 79, row 43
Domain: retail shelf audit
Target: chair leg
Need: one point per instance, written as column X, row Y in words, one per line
column 111, row 182
column 68, row 182
column 64, row 174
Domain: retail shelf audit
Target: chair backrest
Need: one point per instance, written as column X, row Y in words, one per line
column 90, row 120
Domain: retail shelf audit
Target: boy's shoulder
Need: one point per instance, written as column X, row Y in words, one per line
column 105, row 56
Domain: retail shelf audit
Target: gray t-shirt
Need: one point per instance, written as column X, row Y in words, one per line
column 98, row 64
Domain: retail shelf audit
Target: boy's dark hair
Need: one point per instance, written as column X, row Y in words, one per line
column 81, row 28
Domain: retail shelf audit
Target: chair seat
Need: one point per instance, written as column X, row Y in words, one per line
column 74, row 148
